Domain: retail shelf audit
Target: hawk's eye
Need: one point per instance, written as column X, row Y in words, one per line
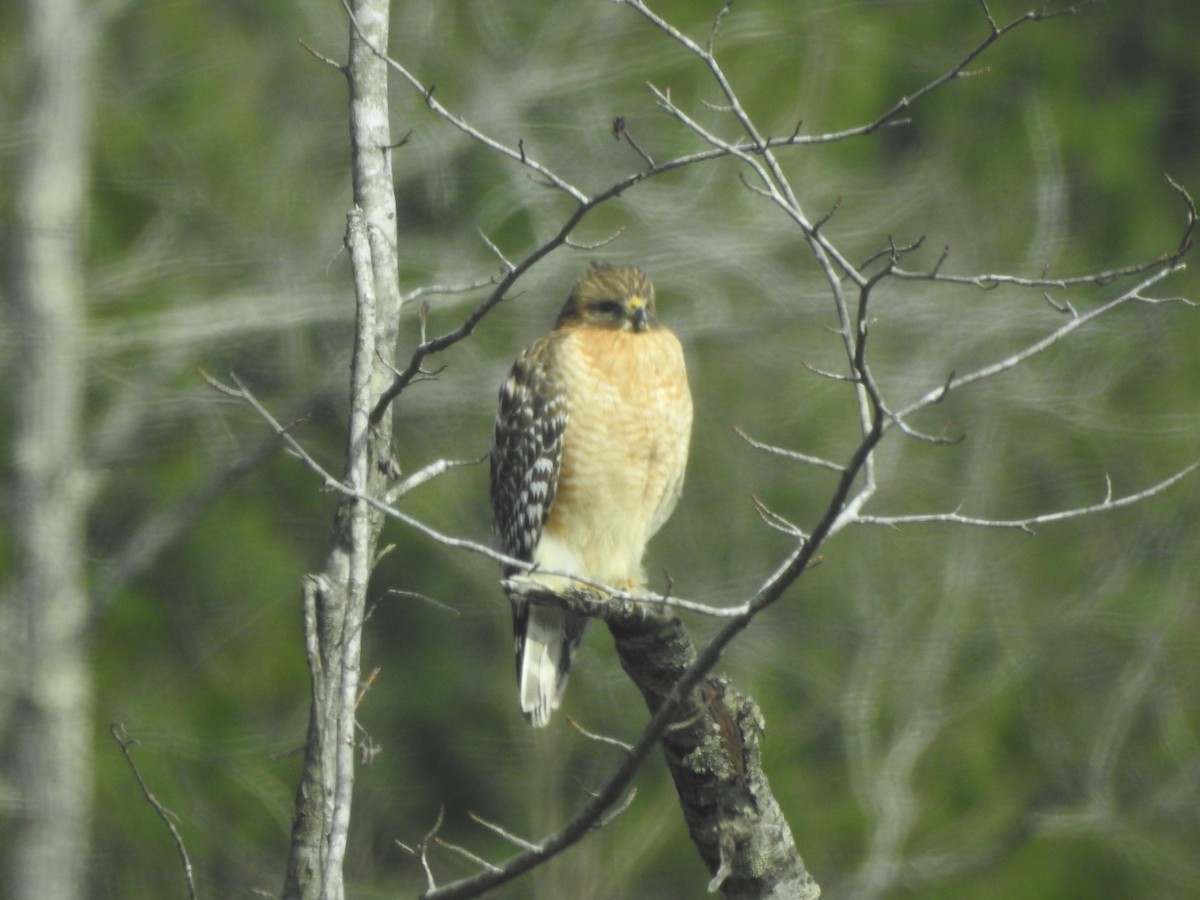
column 609, row 309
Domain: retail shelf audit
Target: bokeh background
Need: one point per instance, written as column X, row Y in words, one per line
column 951, row 712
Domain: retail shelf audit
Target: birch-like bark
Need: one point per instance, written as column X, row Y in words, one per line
column 52, row 712
column 334, row 599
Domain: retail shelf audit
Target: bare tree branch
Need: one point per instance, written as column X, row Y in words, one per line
column 168, row 817
column 1029, row 523
column 329, row 482
column 788, row 454
column 936, row 395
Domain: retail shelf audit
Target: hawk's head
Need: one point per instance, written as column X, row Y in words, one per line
column 615, row 297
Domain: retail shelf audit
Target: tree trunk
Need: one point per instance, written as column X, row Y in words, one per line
column 335, row 599
column 50, row 605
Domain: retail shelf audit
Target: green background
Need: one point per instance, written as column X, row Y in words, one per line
column 951, row 712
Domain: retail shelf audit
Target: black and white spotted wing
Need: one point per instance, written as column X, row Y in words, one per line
column 526, row 451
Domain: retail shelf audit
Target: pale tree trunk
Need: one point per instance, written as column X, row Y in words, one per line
column 335, row 598
column 48, row 600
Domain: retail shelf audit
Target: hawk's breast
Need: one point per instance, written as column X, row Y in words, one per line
column 624, row 450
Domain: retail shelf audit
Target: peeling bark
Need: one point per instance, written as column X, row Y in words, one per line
column 714, row 757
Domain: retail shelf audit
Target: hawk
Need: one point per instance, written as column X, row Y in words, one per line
column 587, row 460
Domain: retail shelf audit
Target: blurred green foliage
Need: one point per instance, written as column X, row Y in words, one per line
column 991, row 714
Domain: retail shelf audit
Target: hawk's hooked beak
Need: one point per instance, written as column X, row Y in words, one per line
column 641, row 314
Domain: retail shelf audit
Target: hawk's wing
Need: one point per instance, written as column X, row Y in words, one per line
column 525, row 461
column 527, row 450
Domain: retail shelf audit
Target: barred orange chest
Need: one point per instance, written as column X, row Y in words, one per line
column 625, row 449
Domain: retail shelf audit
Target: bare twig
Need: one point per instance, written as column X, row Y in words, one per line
column 428, row 289
column 603, row 242
column 789, row 454
column 990, row 281
column 466, row 854
column 606, row 819
column 507, row 266
column 125, row 742
column 507, row 835
column 1103, row 277
column 1028, row 523
column 599, row 738
column 774, row 520
column 1010, row 362
column 425, row 598
column 366, row 686
column 427, row 474
column 421, row 851
column 892, row 116
column 518, row 154
column 322, row 57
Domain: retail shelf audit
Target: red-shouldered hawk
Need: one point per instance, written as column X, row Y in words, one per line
column 587, row 461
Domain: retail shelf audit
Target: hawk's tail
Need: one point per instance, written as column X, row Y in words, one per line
column 546, row 640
